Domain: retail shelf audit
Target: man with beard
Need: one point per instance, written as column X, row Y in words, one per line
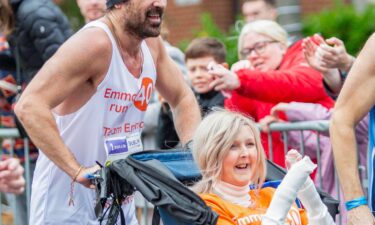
column 87, row 104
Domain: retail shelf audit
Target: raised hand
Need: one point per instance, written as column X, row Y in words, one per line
column 292, row 157
column 334, row 55
column 266, row 121
column 327, row 59
column 224, row 79
column 310, row 46
column 242, row 64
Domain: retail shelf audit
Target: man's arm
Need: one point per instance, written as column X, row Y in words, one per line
column 355, row 100
column 173, row 88
column 75, row 68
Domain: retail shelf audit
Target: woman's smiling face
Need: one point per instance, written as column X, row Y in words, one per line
column 263, row 52
column 239, row 163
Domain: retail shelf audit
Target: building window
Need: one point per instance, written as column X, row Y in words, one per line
column 187, row 2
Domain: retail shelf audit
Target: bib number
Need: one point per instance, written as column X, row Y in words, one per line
column 121, row 147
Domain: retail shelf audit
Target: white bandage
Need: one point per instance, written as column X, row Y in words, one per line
column 317, row 212
column 286, row 192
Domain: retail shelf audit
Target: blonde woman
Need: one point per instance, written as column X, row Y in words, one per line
column 229, row 153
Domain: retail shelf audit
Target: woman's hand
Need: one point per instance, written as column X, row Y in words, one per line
column 327, row 54
column 273, row 117
column 333, row 54
column 242, row 64
column 11, row 176
column 266, row 121
column 310, row 47
column 291, row 158
column 224, row 79
column 279, row 107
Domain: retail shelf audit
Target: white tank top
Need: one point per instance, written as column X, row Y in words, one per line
column 114, row 112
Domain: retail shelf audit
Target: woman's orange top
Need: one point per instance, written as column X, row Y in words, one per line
column 232, row 214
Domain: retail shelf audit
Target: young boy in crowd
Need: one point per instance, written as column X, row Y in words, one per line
column 201, row 54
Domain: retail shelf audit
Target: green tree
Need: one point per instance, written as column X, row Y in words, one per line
column 71, row 10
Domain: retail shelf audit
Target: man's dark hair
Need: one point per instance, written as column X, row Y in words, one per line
column 202, row 47
column 271, row 3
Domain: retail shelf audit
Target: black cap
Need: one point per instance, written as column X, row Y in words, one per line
column 111, row 3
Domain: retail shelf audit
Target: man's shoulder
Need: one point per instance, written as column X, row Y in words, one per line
column 372, row 39
column 90, row 45
column 156, row 47
column 95, row 37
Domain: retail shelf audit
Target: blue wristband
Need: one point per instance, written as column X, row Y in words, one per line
column 355, row 203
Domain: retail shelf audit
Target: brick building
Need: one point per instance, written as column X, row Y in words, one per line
column 182, row 16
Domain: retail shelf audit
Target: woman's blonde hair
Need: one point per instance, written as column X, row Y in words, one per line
column 6, row 18
column 212, row 141
column 268, row 28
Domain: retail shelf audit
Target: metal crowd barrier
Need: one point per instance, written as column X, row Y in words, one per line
column 319, row 126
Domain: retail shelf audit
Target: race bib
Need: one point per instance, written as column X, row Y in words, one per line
column 121, row 147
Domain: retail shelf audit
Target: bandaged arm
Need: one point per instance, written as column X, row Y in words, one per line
column 317, row 212
column 286, row 192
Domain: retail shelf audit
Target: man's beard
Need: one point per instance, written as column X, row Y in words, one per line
column 143, row 26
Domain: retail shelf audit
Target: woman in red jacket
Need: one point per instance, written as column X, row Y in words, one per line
column 273, row 73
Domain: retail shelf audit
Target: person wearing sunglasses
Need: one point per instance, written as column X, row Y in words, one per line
column 270, row 72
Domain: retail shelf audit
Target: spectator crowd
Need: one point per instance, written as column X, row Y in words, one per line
column 61, row 81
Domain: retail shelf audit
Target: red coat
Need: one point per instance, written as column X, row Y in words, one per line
column 294, row 80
